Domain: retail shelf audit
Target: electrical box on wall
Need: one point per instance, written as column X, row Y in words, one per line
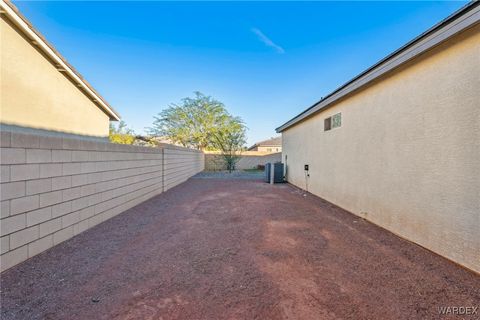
column 306, row 167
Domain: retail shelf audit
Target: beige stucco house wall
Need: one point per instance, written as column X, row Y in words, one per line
column 38, row 93
column 407, row 154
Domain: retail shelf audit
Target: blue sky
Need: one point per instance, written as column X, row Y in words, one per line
column 267, row 61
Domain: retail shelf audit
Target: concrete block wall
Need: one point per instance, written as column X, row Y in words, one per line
column 248, row 160
column 180, row 164
column 53, row 188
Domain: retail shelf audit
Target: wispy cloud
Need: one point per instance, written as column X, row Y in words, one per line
column 266, row 40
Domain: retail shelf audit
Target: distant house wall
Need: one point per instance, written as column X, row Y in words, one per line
column 270, row 149
column 53, row 188
column 407, row 154
column 248, row 160
column 35, row 94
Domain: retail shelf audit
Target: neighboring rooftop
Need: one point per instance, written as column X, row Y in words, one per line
column 462, row 19
column 272, row 142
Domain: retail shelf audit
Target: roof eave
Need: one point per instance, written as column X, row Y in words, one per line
column 12, row 13
column 460, row 20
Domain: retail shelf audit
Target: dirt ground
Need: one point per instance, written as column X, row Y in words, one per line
column 236, row 249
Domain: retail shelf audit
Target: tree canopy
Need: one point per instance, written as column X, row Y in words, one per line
column 230, row 142
column 121, row 134
column 196, row 121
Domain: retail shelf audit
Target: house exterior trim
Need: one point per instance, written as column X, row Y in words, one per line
column 466, row 17
column 12, row 14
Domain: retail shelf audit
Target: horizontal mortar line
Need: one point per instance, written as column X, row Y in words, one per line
column 159, row 157
column 149, row 150
column 110, row 208
column 84, row 196
column 188, row 165
column 182, row 151
column 115, row 188
column 172, row 165
column 179, row 160
column 180, row 170
column 189, row 157
column 179, row 178
column 183, row 170
column 175, row 183
column 171, row 161
column 89, row 172
column 112, row 156
column 171, row 158
column 182, row 162
column 81, row 185
column 90, row 184
column 93, row 205
column 83, row 162
column 136, row 198
column 80, row 174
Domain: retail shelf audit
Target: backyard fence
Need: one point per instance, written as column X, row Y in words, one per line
column 248, row 160
column 53, row 188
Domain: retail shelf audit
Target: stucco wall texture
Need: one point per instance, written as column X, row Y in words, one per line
column 407, row 156
column 53, row 188
column 35, row 94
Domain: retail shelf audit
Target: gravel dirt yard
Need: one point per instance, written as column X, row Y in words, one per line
column 238, row 174
column 236, row 249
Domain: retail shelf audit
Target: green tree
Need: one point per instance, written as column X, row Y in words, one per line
column 121, row 134
column 231, row 142
column 195, row 122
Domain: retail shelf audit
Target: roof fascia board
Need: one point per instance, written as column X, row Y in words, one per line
column 64, row 67
column 395, row 60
